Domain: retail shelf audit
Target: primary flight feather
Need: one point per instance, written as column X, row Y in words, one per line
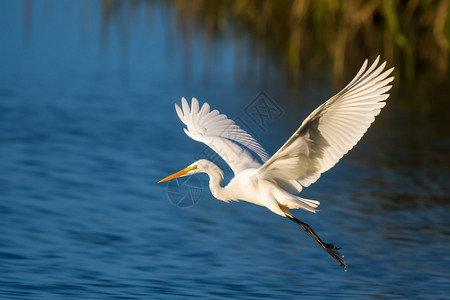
column 327, row 134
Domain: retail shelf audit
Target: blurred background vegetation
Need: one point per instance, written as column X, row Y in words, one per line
column 303, row 34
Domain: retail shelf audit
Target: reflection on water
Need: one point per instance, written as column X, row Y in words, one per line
column 304, row 33
column 280, row 34
column 87, row 127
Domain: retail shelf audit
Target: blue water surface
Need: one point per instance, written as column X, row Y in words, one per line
column 88, row 127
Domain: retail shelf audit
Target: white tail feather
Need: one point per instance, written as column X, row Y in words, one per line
column 293, row 202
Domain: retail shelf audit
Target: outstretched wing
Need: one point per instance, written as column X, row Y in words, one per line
column 221, row 134
column 331, row 130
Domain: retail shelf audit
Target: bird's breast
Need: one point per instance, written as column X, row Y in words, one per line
column 245, row 187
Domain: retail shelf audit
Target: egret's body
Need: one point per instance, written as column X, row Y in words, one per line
column 323, row 138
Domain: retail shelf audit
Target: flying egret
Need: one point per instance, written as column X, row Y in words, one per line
column 324, row 137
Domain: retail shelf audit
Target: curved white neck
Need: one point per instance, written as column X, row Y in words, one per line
column 215, row 179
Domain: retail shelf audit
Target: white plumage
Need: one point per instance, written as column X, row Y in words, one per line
column 332, row 129
column 220, row 134
column 327, row 134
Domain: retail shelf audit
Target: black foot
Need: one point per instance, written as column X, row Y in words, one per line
column 336, row 255
column 330, row 248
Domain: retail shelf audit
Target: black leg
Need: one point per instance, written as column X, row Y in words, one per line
column 332, row 250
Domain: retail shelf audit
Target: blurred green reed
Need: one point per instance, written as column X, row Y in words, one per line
column 415, row 34
column 307, row 37
column 304, row 33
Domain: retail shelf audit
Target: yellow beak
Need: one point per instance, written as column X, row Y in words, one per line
column 178, row 174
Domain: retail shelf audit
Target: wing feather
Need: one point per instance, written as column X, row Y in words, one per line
column 331, row 130
column 221, row 134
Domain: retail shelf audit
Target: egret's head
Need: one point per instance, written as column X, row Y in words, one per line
column 197, row 167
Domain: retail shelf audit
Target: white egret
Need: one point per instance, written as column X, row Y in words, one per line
column 323, row 138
